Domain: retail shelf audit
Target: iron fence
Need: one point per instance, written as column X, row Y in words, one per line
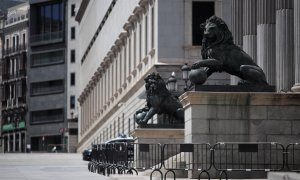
column 260, row 156
column 187, row 156
column 144, row 156
column 124, row 158
column 293, row 157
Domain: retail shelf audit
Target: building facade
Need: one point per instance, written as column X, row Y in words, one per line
column 121, row 42
column 47, row 89
column 2, row 22
column 13, row 84
column 52, row 72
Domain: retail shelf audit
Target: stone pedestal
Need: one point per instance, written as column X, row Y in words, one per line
column 212, row 117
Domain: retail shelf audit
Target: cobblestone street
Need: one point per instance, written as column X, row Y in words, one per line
column 45, row 166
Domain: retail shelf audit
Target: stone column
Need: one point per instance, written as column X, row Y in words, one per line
column 249, row 28
column 236, row 28
column 284, row 45
column 296, row 87
column 266, row 59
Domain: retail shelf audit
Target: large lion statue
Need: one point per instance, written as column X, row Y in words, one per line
column 219, row 54
column 159, row 100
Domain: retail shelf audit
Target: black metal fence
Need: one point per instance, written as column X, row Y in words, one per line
column 129, row 158
column 293, row 157
column 248, row 156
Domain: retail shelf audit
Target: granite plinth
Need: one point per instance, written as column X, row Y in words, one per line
column 158, row 135
column 164, row 126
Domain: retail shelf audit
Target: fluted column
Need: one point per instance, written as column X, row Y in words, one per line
column 266, row 59
column 236, row 28
column 249, row 28
column 296, row 87
column 284, row 45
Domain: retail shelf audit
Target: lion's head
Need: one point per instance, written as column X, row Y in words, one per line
column 215, row 32
column 155, row 85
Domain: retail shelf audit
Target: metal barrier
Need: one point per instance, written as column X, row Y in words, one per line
column 293, row 157
column 187, row 157
column 128, row 158
column 144, row 156
column 260, row 156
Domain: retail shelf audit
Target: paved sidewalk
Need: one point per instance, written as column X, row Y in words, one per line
column 51, row 166
column 45, row 166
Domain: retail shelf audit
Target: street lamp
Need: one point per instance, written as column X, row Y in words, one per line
column 185, row 75
column 172, row 83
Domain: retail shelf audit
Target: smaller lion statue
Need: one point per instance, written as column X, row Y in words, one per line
column 219, row 54
column 159, row 100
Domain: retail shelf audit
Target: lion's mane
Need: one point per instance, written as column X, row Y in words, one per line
column 224, row 36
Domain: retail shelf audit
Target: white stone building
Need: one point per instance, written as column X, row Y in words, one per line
column 123, row 41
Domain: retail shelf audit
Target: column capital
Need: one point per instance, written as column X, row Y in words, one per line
column 123, row 37
column 128, row 27
column 144, row 4
column 111, row 55
column 119, row 44
column 138, row 11
column 114, row 49
column 132, row 18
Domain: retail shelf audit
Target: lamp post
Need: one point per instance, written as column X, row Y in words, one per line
column 185, row 75
column 172, row 83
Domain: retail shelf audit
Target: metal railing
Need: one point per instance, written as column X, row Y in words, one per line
column 260, row 156
column 51, row 37
column 17, row 49
column 224, row 157
column 293, row 157
column 195, row 157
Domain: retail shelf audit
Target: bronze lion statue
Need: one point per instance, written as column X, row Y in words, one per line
column 219, row 54
column 159, row 100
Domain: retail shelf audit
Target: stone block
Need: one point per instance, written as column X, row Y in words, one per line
column 200, row 138
column 257, row 112
column 229, row 111
column 295, row 127
column 241, row 138
column 284, row 112
column 197, row 126
column 229, row 127
column 201, row 112
column 270, row 127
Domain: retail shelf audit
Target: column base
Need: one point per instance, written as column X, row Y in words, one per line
column 296, row 87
